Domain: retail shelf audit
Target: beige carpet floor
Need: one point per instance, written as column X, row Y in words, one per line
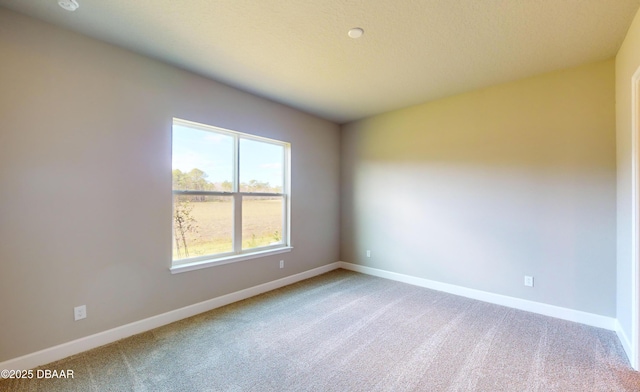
column 344, row 331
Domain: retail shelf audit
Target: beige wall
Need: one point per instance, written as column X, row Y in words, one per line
column 627, row 62
column 85, row 161
column 480, row 189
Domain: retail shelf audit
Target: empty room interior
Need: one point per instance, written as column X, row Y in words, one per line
column 333, row 195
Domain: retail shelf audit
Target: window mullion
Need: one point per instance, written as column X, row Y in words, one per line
column 237, row 198
column 236, row 163
column 237, row 223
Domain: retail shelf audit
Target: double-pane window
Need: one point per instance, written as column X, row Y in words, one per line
column 230, row 193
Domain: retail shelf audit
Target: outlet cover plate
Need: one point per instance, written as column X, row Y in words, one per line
column 528, row 281
column 80, row 312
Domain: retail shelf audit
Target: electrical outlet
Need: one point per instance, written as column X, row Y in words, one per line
column 368, row 253
column 528, row 281
column 80, row 312
column 281, row 263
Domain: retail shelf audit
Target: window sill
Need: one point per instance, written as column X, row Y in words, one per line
column 176, row 269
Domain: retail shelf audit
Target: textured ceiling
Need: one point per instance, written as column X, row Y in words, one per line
column 297, row 51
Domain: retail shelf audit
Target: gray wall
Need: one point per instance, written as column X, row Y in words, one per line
column 480, row 189
column 85, row 185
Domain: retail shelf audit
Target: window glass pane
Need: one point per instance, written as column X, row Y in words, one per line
column 261, row 166
column 202, row 225
column 201, row 160
column 261, row 221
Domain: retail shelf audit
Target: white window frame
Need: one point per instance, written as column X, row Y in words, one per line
column 238, row 254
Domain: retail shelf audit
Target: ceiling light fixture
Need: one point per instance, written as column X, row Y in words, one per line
column 356, row 32
column 69, row 5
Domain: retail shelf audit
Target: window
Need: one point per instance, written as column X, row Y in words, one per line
column 230, row 195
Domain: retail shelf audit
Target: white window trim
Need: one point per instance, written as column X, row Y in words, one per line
column 196, row 265
column 206, row 261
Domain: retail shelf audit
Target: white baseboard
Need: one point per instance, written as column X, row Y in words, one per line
column 64, row 350
column 626, row 344
column 498, row 299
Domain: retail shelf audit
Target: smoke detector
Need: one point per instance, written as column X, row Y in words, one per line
column 356, row 32
column 69, row 5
